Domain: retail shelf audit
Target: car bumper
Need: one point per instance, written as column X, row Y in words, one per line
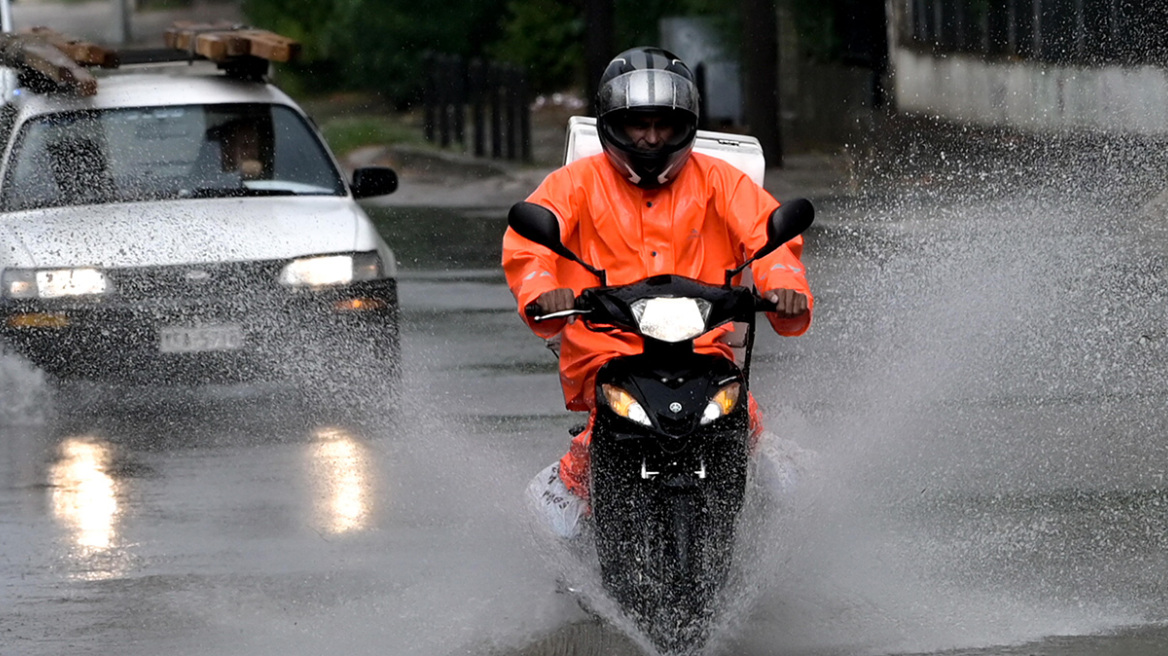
column 271, row 334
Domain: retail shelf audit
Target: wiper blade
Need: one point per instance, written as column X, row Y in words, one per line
column 235, row 192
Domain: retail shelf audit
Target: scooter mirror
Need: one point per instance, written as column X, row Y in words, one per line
column 786, row 223
column 537, row 223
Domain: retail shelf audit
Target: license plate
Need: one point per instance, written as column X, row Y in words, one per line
column 199, row 339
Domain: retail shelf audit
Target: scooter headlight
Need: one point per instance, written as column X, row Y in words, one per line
column 625, row 405
column 722, row 403
column 671, row 319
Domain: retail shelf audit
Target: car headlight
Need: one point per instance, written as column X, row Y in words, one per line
column 54, row 283
column 623, row 404
column 671, row 319
column 722, row 403
column 325, row 270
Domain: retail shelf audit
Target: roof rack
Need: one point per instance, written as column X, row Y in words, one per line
column 47, row 60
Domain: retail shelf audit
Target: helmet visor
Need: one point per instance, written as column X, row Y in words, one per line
column 648, row 89
column 671, row 128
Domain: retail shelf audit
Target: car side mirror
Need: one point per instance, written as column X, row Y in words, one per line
column 370, row 181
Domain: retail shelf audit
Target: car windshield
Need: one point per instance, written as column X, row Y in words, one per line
column 154, row 153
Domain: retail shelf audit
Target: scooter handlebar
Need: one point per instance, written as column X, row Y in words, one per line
column 534, row 312
column 762, row 304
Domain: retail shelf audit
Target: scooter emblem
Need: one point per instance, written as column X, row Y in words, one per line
column 675, row 407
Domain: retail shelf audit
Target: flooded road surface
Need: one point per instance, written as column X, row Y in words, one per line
column 982, row 399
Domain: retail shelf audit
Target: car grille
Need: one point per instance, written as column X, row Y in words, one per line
column 220, row 281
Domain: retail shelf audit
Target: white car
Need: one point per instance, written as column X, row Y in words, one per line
column 187, row 227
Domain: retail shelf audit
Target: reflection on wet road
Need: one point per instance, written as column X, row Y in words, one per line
column 343, row 481
column 84, row 495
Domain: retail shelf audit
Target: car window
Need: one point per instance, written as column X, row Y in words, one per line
column 152, row 153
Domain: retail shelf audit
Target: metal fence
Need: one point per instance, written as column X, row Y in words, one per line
column 1090, row 32
column 495, row 97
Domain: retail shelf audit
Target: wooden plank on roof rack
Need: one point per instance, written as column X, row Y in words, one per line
column 221, row 46
column 33, row 53
column 272, row 46
column 82, row 52
column 220, row 42
column 182, row 34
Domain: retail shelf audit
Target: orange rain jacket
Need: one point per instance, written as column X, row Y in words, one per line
column 708, row 220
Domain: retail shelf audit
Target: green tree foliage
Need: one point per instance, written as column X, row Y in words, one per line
column 815, row 21
column 546, row 38
column 847, row 30
column 378, row 44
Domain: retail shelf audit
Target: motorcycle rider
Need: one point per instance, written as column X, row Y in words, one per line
column 648, row 205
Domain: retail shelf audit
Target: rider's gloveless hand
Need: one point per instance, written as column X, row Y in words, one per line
column 788, row 302
column 557, row 300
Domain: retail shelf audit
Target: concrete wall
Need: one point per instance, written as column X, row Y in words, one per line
column 1030, row 95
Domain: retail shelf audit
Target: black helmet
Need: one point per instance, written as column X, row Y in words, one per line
column 647, row 81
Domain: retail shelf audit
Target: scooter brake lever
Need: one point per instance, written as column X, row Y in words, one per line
column 533, row 312
column 559, row 315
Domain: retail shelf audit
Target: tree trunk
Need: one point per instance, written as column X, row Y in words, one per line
column 760, row 56
column 598, row 44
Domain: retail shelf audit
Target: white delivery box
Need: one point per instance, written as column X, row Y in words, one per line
column 742, row 151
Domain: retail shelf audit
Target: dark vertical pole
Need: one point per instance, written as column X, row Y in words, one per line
column 1113, row 30
column 983, row 26
column 458, row 97
column 1036, row 30
column 494, row 81
column 478, row 86
column 1080, row 32
column 703, row 98
column 429, row 99
column 511, row 85
column 997, row 29
column 598, row 43
column 760, row 19
column 1012, row 27
column 961, row 39
column 920, row 22
column 524, row 115
column 939, row 31
column 443, row 100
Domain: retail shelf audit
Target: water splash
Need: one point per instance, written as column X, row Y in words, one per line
column 984, row 354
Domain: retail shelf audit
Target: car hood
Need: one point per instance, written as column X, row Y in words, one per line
column 183, row 232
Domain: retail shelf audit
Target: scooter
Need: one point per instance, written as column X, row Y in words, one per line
column 670, row 442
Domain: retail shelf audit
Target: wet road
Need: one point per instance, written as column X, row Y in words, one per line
column 983, row 392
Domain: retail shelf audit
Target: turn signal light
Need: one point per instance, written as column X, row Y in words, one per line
column 39, row 320
column 359, row 304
